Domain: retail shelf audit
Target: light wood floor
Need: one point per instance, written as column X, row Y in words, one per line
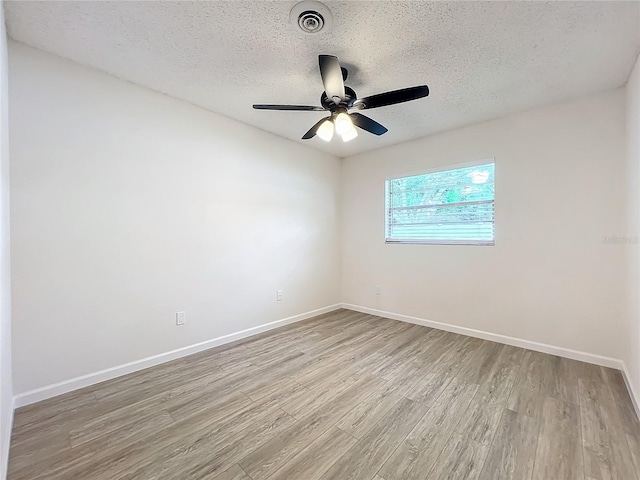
column 341, row 396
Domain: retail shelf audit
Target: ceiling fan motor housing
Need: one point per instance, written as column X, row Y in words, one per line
column 329, row 104
column 311, row 16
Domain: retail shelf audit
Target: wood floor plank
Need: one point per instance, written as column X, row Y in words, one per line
column 367, row 413
column 239, row 381
column 623, row 401
column 324, row 372
column 511, row 354
column 275, row 454
column 123, row 428
column 337, row 336
column 417, row 454
column 366, row 457
column 254, row 424
column 422, row 342
column 480, row 421
column 312, row 462
column 272, row 456
column 405, row 380
column 480, row 363
column 211, row 401
column 56, row 410
column 446, row 364
column 151, row 383
column 499, row 383
column 298, row 405
column 283, row 387
column 559, row 451
column 461, row 459
column 108, row 455
column 416, row 338
column 390, row 347
column 27, row 445
column 429, row 388
column 606, row 456
column 110, row 417
column 305, row 330
column 233, row 473
column 131, row 380
column 634, row 446
column 345, row 395
column 361, row 331
column 512, row 452
column 211, row 454
column 526, row 396
column 451, row 352
column 562, row 383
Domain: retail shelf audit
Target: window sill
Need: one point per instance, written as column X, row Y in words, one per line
column 478, row 243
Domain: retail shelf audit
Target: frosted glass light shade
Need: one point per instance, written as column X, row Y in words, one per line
column 325, row 131
column 343, row 123
column 350, row 134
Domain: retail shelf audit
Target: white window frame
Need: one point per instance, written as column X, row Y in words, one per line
column 426, row 241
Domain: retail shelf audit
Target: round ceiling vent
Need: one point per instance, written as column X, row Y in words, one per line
column 310, row 21
column 311, row 16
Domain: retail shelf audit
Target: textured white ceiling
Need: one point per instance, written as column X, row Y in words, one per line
column 481, row 60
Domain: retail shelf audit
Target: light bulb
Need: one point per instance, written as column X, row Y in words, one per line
column 325, row 130
column 343, row 123
column 350, row 134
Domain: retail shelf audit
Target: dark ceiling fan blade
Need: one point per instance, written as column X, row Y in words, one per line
column 367, row 124
column 331, row 74
column 391, row 98
column 300, row 108
column 312, row 131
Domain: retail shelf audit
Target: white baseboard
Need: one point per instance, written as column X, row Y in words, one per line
column 6, row 443
column 495, row 337
column 635, row 397
column 66, row 386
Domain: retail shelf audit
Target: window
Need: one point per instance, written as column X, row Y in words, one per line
column 449, row 207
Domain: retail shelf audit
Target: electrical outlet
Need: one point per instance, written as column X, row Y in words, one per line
column 181, row 318
column 278, row 295
column 378, row 290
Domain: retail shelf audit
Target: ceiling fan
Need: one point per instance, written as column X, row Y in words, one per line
column 339, row 100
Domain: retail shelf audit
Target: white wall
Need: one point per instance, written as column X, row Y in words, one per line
column 128, row 206
column 549, row 278
column 632, row 351
column 6, row 391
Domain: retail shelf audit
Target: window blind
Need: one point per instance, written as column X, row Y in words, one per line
column 447, row 207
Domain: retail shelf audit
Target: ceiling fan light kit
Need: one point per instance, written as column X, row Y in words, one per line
column 339, row 99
